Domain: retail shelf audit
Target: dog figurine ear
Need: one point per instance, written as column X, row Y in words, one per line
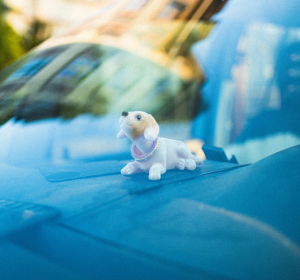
column 121, row 134
column 152, row 129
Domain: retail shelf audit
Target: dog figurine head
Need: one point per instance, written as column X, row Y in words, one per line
column 138, row 124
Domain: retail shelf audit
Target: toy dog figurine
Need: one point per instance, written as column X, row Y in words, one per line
column 152, row 154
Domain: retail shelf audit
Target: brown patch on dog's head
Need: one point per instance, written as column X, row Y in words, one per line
column 137, row 123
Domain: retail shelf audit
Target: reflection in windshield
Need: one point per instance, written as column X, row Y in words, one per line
column 132, row 55
column 77, row 69
column 263, row 98
column 135, row 5
column 27, row 71
column 74, row 79
column 137, row 58
column 172, row 10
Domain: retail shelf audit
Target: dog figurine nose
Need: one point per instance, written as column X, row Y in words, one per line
column 124, row 114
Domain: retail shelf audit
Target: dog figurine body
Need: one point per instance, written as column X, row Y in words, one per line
column 153, row 154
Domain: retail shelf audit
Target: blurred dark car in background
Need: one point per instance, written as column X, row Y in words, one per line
column 66, row 212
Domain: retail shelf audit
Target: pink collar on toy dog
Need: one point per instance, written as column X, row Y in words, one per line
column 143, row 157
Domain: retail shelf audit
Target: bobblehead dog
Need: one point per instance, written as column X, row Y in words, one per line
column 152, row 154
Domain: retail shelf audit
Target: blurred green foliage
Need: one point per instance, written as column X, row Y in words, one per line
column 10, row 42
column 36, row 34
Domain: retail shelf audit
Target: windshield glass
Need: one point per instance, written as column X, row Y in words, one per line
column 70, row 80
column 63, row 100
column 259, row 106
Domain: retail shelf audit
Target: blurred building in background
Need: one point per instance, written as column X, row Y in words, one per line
column 57, row 14
column 34, row 21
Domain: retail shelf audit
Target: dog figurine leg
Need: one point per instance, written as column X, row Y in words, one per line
column 156, row 170
column 130, row 168
column 183, row 151
column 181, row 164
column 190, row 164
column 186, row 158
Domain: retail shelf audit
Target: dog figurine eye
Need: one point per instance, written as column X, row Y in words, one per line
column 138, row 117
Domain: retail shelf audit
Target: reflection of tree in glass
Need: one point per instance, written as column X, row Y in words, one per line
column 10, row 42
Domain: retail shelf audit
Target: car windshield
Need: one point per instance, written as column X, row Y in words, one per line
column 70, row 80
column 258, row 109
column 71, row 90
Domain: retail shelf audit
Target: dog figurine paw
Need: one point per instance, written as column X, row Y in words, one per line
column 153, row 154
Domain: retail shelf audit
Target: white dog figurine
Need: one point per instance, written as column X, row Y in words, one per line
column 152, row 154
